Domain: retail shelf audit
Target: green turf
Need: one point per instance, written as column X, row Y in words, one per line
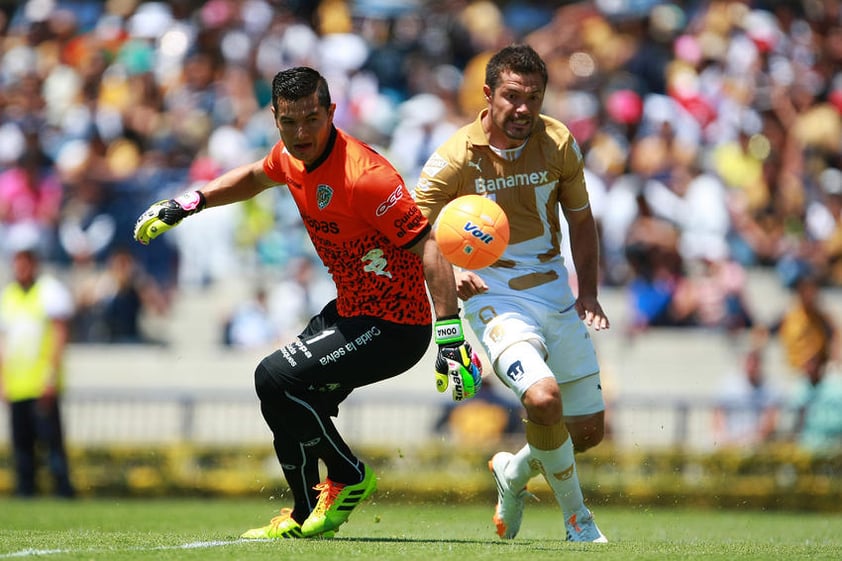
column 207, row 530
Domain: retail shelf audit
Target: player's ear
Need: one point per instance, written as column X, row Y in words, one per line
column 486, row 90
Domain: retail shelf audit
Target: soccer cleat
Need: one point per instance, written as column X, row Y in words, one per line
column 280, row 527
column 509, row 510
column 582, row 528
column 336, row 501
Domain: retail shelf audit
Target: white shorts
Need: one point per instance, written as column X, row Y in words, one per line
column 499, row 322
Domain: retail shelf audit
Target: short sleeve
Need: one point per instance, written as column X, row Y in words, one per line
column 272, row 164
column 382, row 196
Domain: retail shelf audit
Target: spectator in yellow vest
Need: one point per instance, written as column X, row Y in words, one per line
column 34, row 311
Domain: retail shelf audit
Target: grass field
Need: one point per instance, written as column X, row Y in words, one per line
column 207, row 530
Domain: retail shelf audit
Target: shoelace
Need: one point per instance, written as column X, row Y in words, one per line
column 282, row 517
column 328, row 491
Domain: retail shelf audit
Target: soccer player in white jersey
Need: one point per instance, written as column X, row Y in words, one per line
column 522, row 308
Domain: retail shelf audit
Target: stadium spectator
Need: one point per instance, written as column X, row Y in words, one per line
column 34, row 312
column 807, row 330
column 534, row 330
column 30, row 194
column 817, row 402
column 250, row 324
column 112, row 302
column 726, row 85
column 824, row 225
column 748, row 405
column 377, row 245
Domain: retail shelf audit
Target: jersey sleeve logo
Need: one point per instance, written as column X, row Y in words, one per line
column 434, row 165
column 324, row 194
column 391, row 201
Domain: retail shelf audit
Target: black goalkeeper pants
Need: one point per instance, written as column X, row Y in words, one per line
column 301, row 385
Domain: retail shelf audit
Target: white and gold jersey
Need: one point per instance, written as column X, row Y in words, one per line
column 547, row 175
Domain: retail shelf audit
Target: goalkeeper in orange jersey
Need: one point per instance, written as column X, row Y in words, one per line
column 377, row 247
column 522, row 308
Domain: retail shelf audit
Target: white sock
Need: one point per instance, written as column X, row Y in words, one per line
column 520, row 469
column 559, row 469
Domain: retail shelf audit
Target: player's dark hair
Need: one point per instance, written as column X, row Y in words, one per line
column 520, row 59
column 297, row 83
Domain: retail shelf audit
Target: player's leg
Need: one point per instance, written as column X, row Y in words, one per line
column 300, row 387
column 374, row 350
column 573, row 360
column 550, row 446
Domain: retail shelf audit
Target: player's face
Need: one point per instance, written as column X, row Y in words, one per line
column 304, row 126
column 514, row 107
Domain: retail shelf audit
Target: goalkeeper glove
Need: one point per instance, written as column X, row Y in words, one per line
column 456, row 363
column 166, row 214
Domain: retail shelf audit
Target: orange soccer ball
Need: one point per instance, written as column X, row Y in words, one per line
column 472, row 231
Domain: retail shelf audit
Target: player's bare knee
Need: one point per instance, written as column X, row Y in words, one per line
column 543, row 404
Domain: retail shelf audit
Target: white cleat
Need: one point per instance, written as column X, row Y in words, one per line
column 509, row 511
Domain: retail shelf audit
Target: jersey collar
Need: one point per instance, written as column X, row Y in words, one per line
column 476, row 134
column 331, row 142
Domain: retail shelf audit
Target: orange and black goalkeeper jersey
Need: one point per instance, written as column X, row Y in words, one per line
column 360, row 217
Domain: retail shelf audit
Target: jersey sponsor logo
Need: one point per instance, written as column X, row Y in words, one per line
column 434, row 165
column 321, row 226
column 324, row 193
column 475, row 165
column 533, row 179
column 376, row 263
column 410, row 221
column 390, row 201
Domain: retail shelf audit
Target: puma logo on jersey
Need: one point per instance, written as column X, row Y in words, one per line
column 473, row 164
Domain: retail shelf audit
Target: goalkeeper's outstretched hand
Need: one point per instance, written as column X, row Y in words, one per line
column 166, row 214
column 457, row 365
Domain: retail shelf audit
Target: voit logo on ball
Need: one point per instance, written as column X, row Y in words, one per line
column 472, row 231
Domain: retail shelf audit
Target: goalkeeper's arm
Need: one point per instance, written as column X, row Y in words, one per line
column 238, row 184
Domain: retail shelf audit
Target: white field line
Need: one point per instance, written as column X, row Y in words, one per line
column 192, row 545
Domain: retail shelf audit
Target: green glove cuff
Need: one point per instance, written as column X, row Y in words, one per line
column 449, row 331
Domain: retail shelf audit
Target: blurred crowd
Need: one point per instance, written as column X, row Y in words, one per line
column 711, row 132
